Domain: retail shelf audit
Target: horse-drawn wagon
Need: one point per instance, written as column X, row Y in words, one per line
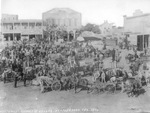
column 48, row 82
column 55, row 81
column 8, row 75
column 95, row 81
column 133, row 86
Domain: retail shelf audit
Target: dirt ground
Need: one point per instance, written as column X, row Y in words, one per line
column 30, row 100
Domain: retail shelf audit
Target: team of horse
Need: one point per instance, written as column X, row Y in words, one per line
column 104, row 80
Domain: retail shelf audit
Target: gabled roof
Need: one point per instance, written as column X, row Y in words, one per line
column 106, row 23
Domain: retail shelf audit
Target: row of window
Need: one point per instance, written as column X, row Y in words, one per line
column 67, row 22
column 10, row 18
column 22, row 24
column 24, row 27
column 11, row 38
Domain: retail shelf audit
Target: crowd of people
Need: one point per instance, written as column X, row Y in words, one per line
column 31, row 60
column 64, row 57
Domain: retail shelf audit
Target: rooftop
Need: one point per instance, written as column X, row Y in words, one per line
column 56, row 10
column 22, row 20
column 131, row 17
column 106, row 23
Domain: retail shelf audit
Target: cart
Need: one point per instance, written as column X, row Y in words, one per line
column 8, row 76
column 52, row 82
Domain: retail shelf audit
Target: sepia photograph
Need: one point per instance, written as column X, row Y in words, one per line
column 75, row 56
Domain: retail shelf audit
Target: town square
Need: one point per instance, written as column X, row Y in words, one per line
column 64, row 56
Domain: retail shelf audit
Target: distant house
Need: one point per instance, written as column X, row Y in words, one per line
column 110, row 31
column 139, row 23
column 106, row 28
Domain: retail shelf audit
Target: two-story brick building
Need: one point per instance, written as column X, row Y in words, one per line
column 137, row 28
column 15, row 29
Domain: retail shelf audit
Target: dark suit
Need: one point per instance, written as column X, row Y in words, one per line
column 15, row 68
column 113, row 55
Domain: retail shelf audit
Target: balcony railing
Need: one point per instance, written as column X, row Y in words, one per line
column 21, row 29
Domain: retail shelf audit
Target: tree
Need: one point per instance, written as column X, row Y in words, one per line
column 91, row 27
column 51, row 29
column 55, row 32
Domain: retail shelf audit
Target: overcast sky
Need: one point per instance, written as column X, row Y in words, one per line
column 93, row 11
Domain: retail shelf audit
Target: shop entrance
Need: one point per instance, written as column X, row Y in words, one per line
column 142, row 42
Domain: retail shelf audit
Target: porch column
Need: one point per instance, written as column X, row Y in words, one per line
column 143, row 43
column 55, row 36
column 13, row 36
column 28, row 25
column 74, row 34
column 8, row 38
column 149, row 41
column 68, row 36
column 3, row 37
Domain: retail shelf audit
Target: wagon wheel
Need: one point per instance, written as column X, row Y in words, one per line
column 110, row 88
column 9, row 77
column 83, row 82
column 56, row 86
column 132, row 59
column 75, row 80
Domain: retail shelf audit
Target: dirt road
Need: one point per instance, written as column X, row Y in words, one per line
column 29, row 99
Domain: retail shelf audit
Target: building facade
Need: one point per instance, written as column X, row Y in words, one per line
column 9, row 17
column 65, row 18
column 137, row 28
column 13, row 28
column 106, row 28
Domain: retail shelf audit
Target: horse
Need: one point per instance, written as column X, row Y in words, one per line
column 29, row 74
column 113, row 79
column 77, row 80
column 132, row 86
column 44, row 81
column 116, row 77
column 8, row 74
column 108, row 74
column 147, row 76
column 73, row 81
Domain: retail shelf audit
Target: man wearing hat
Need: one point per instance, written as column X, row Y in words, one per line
column 103, row 76
column 14, row 68
column 113, row 57
column 101, row 65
